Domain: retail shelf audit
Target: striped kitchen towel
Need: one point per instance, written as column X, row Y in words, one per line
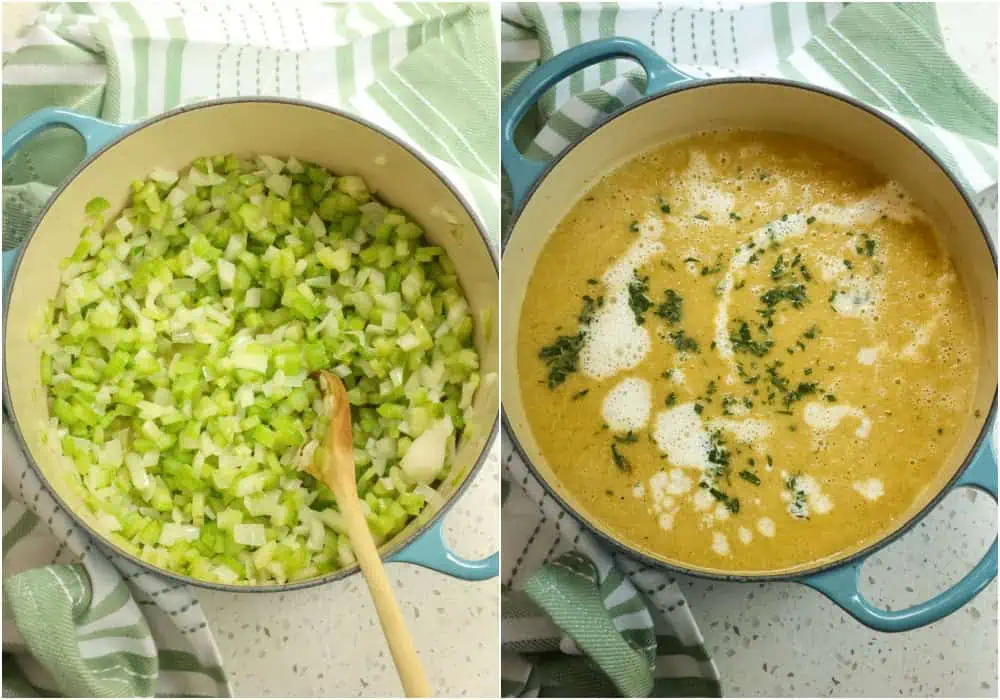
column 577, row 620
column 78, row 622
column 889, row 55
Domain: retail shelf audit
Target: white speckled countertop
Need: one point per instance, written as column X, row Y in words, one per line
column 784, row 640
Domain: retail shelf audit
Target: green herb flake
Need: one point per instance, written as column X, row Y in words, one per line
column 742, row 341
column 580, row 394
column 637, row 299
column 672, row 308
column 683, row 343
column 634, row 226
column 671, row 399
column 621, row 463
column 747, row 475
column 794, row 294
column 714, row 269
column 779, row 270
column 590, row 306
column 562, row 357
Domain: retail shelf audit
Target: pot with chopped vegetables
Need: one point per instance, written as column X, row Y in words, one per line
column 163, row 320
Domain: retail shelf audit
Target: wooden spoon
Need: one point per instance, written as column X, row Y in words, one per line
column 335, row 468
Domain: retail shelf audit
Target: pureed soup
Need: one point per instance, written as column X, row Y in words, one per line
column 745, row 351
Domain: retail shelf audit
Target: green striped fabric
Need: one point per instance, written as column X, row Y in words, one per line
column 889, row 55
column 564, row 632
column 400, row 65
column 81, row 622
column 578, row 621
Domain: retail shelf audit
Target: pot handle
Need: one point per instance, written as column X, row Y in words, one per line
column 841, row 585
column 523, row 172
column 431, row 551
column 95, row 133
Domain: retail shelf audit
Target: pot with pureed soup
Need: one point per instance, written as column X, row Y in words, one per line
column 755, row 330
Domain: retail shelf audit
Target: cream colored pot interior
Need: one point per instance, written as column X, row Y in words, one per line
column 766, row 107
column 277, row 129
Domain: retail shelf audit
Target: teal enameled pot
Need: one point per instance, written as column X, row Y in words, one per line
column 672, row 106
column 344, row 143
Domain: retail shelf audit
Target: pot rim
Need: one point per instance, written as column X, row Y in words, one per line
column 114, row 549
column 865, row 551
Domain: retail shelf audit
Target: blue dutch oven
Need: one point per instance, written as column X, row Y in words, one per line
column 674, row 105
column 116, row 155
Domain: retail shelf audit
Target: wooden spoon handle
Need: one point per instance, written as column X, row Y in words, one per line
column 404, row 655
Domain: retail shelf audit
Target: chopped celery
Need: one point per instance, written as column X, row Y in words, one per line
column 177, row 356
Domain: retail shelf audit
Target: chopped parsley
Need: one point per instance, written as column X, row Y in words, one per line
column 811, row 220
column 627, row 439
column 672, row 308
column 794, row 294
column 634, row 226
column 718, row 456
column 664, row 207
column 732, row 504
column 867, row 246
column 637, row 299
column 742, row 341
column 797, row 508
column 733, row 216
column 746, row 376
column 710, row 390
column 671, row 399
column 714, row 269
column 561, row 357
column 590, row 306
column 698, row 408
column 748, row 475
column 623, row 464
column 790, row 394
column 780, row 269
column 580, row 394
column 591, row 281
column 701, row 217
column 802, row 390
column 683, row 343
